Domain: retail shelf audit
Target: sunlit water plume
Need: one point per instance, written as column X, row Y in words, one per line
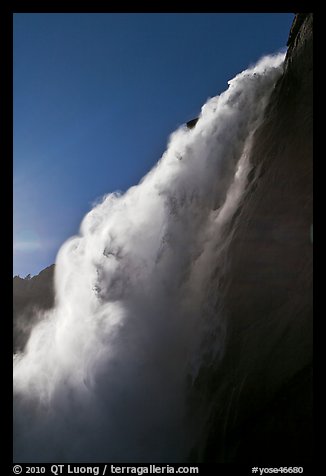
column 105, row 373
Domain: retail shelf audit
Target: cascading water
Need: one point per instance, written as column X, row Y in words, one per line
column 104, row 374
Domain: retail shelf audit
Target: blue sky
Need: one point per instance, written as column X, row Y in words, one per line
column 96, row 97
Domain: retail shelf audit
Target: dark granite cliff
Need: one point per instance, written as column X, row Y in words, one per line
column 30, row 295
column 260, row 396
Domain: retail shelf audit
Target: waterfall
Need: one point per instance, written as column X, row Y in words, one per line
column 105, row 372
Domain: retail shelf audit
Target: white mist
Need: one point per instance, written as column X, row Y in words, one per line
column 103, row 377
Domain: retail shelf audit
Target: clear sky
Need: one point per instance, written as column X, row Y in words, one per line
column 96, row 97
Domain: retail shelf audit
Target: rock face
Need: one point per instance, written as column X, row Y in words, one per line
column 191, row 124
column 260, row 396
column 30, row 295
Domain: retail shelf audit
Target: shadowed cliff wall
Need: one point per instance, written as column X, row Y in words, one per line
column 257, row 404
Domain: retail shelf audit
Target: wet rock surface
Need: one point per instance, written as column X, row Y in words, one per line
column 256, row 405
